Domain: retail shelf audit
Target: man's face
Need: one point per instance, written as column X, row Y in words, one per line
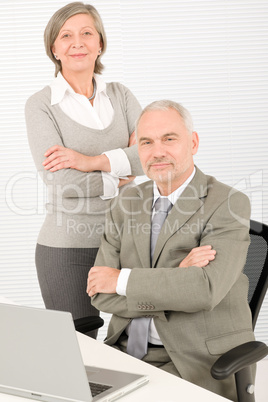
column 166, row 149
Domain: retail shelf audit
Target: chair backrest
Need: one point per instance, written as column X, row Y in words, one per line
column 256, row 267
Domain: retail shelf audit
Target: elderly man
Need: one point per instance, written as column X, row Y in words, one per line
column 170, row 264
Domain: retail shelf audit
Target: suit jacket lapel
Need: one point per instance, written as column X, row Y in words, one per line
column 141, row 208
column 190, row 201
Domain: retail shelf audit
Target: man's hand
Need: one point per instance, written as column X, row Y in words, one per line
column 199, row 257
column 102, row 280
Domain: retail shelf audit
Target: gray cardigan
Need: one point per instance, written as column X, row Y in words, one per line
column 75, row 212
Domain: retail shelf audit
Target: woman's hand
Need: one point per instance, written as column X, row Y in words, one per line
column 59, row 157
column 132, row 139
column 122, row 182
column 199, row 257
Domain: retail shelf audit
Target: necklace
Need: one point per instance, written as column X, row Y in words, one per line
column 94, row 89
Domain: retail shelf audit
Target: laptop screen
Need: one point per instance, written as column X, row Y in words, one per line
column 40, row 355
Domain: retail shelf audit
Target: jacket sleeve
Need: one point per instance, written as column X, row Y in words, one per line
column 132, row 110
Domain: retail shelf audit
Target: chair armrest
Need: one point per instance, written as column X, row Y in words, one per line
column 86, row 324
column 238, row 358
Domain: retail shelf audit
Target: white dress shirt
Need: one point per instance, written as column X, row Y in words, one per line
column 125, row 272
column 98, row 116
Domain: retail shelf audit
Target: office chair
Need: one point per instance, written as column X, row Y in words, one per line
column 238, row 360
column 86, row 324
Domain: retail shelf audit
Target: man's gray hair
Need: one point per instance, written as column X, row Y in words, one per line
column 166, row 105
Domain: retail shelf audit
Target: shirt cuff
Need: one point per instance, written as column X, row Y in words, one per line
column 110, row 186
column 121, row 288
column 119, row 162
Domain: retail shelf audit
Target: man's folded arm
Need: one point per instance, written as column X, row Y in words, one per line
column 188, row 289
column 194, row 289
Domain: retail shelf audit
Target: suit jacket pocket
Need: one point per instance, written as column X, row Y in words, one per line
column 221, row 344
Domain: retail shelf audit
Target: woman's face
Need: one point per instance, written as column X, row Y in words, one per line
column 78, row 44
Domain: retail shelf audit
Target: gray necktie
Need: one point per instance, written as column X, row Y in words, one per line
column 137, row 345
column 162, row 207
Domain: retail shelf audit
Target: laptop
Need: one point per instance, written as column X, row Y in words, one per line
column 40, row 359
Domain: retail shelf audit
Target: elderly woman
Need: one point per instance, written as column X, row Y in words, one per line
column 81, row 135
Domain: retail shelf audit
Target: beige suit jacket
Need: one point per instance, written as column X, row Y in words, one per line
column 199, row 313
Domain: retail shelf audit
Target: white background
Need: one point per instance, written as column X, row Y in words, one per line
column 209, row 55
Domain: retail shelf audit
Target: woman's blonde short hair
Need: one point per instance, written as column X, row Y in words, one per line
column 58, row 20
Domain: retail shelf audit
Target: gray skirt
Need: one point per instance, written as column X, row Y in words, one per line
column 62, row 275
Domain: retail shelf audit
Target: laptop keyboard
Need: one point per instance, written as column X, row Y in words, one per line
column 97, row 389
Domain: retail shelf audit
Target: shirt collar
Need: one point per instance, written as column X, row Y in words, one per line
column 60, row 88
column 176, row 194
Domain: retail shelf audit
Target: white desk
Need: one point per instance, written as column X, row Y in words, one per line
column 162, row 387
